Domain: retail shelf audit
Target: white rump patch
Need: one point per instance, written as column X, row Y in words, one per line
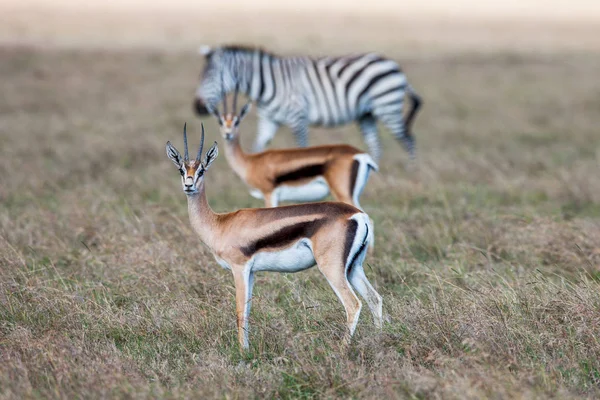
column 365, row 164
column 364, row 233
column 297, row 257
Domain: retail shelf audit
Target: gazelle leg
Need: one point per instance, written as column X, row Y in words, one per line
column 271, row 199
column 340, row 194
column 244, row 282
column 361, row 284
column 335, row 272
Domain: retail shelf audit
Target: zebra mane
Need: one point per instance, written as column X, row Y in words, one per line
column 241, row 48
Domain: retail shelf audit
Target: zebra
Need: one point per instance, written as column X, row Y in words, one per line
column 301, row 91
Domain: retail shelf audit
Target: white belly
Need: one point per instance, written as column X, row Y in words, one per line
column 295, row 258
column 257, row 194
column 315, row 190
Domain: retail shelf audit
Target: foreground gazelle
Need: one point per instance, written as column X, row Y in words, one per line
column 299, row 174
column 334, row 236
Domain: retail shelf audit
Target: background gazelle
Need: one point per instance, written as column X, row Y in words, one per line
column 332, row 235
column 299, row 174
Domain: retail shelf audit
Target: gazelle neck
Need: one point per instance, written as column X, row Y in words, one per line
column 237, row 159
column 202, row 217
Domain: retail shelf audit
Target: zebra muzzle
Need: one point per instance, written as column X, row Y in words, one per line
column 200, row 107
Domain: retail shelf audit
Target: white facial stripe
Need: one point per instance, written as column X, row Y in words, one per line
column 198, row 174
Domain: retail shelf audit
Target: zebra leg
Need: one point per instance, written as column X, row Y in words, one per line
column 395, row 122
column 300, row 129
column 266, row 131
column 368, row 127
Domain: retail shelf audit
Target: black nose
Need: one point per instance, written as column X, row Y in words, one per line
column 200, row 108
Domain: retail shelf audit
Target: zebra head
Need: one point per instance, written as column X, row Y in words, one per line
column 216, row 79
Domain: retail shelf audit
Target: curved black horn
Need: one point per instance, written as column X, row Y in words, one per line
column 199, row 155
column 235, row 99
column 187, row 157
column 224, row 94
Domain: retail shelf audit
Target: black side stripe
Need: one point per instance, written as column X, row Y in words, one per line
column 301, row 173
column 284, row 236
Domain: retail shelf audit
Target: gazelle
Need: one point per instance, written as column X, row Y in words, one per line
column 298, row 174
column 332, row 235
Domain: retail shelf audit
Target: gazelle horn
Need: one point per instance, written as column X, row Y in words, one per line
column 199, row 156
column 187, row 157
column 235, row 99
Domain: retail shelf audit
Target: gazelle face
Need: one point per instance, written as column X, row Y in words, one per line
column 229, row 124
column 192, row 174
column 192, row 171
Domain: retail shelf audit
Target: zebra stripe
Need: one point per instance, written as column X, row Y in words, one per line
column 303, row 91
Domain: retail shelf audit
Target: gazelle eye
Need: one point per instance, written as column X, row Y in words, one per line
column 181, row 172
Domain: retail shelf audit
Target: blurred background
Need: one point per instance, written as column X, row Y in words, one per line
column 381, row 24
column 488, row 257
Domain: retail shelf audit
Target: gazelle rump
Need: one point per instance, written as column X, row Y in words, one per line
column 299, row 174
column 332, row 235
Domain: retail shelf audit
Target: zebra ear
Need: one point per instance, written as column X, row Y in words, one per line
column 211, row 155
column 205, row 50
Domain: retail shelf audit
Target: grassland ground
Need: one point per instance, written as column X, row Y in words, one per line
column 488, row 258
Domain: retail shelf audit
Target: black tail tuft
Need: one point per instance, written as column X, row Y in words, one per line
column 416, row 105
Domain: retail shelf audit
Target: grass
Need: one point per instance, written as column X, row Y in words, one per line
column 487, row 259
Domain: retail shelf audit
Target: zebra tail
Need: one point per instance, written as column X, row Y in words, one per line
column 416, row 104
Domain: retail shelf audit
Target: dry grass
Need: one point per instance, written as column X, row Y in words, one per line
column 489, row 262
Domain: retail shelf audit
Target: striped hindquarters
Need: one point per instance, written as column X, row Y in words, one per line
column 340, row 90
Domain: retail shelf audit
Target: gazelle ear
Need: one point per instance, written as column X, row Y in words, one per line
column 215, row 113
column 205, row 50
column 211, row 155
column 174, row 155
column 245, row 110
